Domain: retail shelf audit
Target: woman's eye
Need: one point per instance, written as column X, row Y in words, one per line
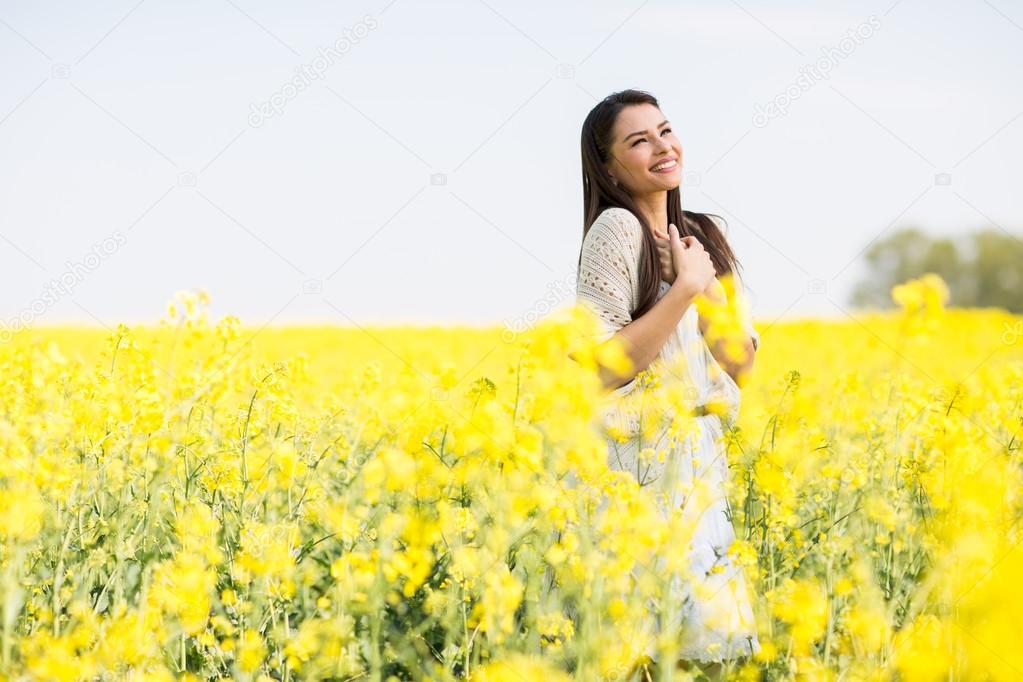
column 643, row 139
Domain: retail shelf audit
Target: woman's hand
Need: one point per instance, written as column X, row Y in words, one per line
column 684, row 258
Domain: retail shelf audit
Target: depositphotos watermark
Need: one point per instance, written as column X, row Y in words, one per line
column 812, row 74
column 557, row 292
column 73, row 275
column 1012, row 333
column 306, row 74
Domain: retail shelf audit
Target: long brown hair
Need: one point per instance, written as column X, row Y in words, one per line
column 599, row 193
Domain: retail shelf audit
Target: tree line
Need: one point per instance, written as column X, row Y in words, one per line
column 984, row 269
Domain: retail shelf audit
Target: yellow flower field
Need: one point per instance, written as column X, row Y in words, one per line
column 201, row 500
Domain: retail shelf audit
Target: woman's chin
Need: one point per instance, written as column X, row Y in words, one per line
column 669, row 183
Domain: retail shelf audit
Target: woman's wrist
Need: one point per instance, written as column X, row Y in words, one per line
column 682, row 291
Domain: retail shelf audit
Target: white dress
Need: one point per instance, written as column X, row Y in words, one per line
column 717, row 616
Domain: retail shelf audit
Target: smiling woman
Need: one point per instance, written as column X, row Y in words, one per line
column 631, row 176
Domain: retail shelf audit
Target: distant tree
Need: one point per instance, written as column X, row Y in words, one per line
column 906, row 254
column 998, row 271
column 987, row 270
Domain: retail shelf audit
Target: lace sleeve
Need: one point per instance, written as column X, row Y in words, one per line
column 608, row 270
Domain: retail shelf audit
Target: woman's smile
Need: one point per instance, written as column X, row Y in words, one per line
column 669, row 165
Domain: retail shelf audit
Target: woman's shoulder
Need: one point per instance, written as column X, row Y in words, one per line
column 619, row 224
column 618, row 216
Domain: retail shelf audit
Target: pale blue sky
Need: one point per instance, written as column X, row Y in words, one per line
column 131, row 122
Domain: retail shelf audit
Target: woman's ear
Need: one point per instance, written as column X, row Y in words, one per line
column 611, row 175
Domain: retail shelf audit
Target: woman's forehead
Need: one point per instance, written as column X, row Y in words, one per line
column 637, row 117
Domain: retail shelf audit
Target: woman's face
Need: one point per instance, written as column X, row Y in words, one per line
column 642, row 141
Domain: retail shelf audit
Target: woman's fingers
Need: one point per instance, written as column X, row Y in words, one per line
column 664, row 256
column 673, row 235
column 665, row 260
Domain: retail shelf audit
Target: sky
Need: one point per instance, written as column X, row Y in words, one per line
column 399, row 161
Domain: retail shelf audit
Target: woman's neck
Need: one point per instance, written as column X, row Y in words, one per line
column 655, row 209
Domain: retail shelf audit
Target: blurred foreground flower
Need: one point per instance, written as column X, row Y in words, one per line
column 724, row 314
column 922, row 301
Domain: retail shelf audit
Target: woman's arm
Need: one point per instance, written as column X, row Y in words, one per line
column 714, row 291
column 645, row 336
column 732, row 366
column 608, row 277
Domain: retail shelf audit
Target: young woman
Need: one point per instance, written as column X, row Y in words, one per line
column 643, row 262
